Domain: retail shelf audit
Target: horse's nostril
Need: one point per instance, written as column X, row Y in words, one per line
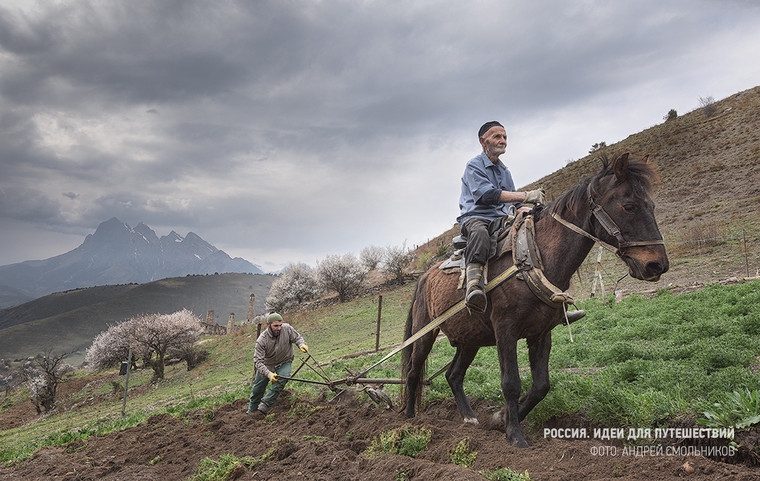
column 657, row 267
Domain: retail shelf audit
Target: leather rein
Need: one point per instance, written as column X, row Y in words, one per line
column 608, row 224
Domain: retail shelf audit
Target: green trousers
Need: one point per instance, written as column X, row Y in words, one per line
column 260, row 393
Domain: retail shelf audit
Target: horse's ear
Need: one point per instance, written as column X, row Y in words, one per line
column 646, row 159
column 620, row 166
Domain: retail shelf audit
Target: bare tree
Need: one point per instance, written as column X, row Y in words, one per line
column 42, row 377
column 708, row 105
column 343, row 274
column 298, row 283
column 396, row 259
column 371, row 256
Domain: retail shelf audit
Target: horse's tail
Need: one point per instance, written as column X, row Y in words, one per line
column 406, row 354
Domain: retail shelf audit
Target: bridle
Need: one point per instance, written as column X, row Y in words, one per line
column 608, row 224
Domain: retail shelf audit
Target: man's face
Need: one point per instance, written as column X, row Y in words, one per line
column 494, row 142
column 275, row 327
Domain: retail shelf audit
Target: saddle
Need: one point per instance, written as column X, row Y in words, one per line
column 456, row 263
column 518, row 238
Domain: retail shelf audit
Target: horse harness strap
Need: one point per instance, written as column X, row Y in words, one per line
column 523, row 237
column 608, row 224
column 450, row 312
column 527, row 259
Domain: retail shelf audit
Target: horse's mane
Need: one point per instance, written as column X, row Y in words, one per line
column 640, row 174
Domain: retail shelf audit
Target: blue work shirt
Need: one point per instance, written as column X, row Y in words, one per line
column 480, row 181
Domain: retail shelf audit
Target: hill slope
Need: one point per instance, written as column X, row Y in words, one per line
column 73, row 319
column 709, row 166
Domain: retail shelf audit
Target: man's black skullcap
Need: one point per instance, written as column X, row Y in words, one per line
column 487, row 126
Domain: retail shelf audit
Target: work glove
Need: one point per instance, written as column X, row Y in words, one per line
column 273, row 377
column 304, row 348
column 535, row 196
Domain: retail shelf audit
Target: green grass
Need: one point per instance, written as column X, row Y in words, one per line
column 736, row 410
column 505, row 474
column 73, row 330
column 461, row 455
column 405, row 441
column 637, row 364
column 659, row 357
column 221, row 469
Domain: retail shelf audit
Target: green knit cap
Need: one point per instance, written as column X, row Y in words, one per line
column 274, row 317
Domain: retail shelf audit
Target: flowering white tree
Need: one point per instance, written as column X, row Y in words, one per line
column 371, row 256
column 343, row 274
column 42, row 378
column 297, row 283
column 396, row 259
column 159, row 333
column 109, row 348
column 146, row 335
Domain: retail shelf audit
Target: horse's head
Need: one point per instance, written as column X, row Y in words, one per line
column 623, row 215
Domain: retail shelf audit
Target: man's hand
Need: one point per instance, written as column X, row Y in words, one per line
column 273, row 377
column 304, row 348
column 535, row 196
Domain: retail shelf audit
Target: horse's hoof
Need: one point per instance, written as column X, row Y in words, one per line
column 498, row 417
column 520, row 443
column 473, row 421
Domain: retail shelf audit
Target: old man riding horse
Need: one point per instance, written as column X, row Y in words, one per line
column 613, row 207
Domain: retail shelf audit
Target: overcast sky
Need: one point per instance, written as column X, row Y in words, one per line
column 288, row 130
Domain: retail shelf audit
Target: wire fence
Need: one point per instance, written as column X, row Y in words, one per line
column 692, row 260
column 712, row 258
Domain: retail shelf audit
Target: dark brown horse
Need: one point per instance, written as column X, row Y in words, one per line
column 623, row 190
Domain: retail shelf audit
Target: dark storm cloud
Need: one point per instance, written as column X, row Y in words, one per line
column 240, row 118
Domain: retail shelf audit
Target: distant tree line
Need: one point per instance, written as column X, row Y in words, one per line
column 345, row 275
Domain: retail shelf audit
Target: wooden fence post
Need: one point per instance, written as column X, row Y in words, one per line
column 379, row 310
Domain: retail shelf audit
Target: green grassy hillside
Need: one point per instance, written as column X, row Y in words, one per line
column 73, row 329
column 642, row 363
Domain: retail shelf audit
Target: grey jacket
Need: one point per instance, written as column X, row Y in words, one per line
column 272, row 352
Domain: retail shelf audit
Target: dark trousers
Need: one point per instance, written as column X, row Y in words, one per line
column 481, row 239
column 259, row 391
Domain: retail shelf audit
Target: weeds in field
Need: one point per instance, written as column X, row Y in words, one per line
column 222, row 469
column 461, row 455
column 736, row 410
column 505, row 474
column 405, row 441
column 302, row 410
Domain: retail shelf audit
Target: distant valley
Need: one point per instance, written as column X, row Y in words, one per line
column 68, row 321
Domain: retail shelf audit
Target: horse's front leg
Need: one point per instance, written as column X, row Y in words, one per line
column 538, row 353
column 510, row 388
column 455, row 377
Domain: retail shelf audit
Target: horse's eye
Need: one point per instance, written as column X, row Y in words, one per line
column 629, row 207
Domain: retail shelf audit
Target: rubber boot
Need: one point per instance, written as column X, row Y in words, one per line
column 573, row 316
column 475, row 299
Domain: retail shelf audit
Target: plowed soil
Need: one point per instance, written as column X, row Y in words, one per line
column 327, row 440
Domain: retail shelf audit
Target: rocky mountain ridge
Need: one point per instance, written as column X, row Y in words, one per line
column 119, row 254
